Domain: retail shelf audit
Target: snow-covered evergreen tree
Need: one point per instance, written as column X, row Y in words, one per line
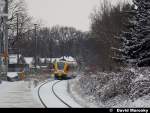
column 136, row 42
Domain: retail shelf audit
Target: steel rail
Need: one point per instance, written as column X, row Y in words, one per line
column 58, row 96
column 39, row 93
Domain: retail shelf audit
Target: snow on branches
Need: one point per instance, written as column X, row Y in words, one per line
column 136, row 42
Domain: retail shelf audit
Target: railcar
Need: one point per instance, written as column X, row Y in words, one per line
column 63, row 69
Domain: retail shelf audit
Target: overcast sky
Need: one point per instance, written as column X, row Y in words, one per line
column 73, row 13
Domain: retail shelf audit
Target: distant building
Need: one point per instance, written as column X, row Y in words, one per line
column 29, row 61
column 12, row 59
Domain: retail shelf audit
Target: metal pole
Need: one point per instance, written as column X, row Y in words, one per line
column 35, row 25
column 6, row 36
column 17, row 37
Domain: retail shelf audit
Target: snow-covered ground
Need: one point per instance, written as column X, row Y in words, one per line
column 62, row 91
column 75, row 92
column 50, row 99
column 12, row 74
column 24, row 94
column 17, row 95
column 86, row 96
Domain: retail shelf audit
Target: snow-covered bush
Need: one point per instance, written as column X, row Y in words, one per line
column 141, row 85
column 119, row 85
column 128, row 84
column 105, row 86
column 140, row 88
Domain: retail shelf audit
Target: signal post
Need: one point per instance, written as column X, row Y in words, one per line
column 3, row 38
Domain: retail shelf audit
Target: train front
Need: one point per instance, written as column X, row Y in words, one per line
column 61, row 69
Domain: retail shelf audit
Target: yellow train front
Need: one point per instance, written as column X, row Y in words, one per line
column 61, row 70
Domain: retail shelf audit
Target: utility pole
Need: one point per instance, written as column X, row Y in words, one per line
column 17, row 37
column 35, row 56
column 6, row 35
column 4, row 31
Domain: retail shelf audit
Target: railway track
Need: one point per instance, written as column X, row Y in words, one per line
column 53, row 91
column 58, row 96
column 39, row 94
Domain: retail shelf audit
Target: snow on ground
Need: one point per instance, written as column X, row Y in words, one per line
column 120, row 101
column 61, row 90
column 75, row 92
column 143, row 102
column 16, row 95
column 12, row 74
column 50, row 99
column 34, row 87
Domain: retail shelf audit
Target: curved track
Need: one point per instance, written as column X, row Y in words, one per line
column 56, row 95
column 39, row 93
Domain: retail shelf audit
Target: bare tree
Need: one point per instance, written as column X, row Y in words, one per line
column 107, row 22
column 19, row 22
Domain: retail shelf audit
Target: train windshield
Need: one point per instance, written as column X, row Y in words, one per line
column 61, row 65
